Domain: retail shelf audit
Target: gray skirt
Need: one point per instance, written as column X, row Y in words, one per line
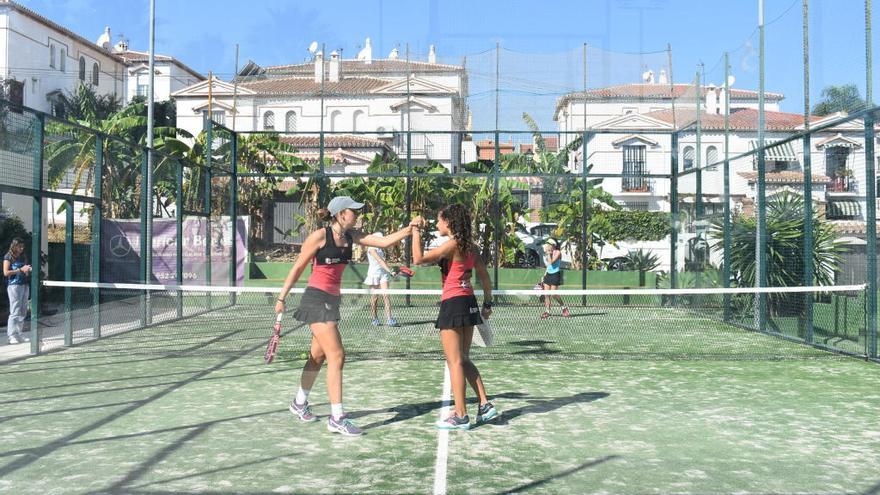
column 317, row 306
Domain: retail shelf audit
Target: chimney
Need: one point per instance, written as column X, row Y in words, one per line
column 721, row 109
column 432, row 55
column 710, row 100
column 319, row 67
column 104, row 40
column 334, row 67
column 366, row 53
column 663, row 79
column 394, row 55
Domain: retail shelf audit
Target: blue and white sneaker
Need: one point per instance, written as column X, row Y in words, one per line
column 303, row 412
column 486, row 412
column 392, row 322
column 453, row 422
column 344, row 426
column 375, row 323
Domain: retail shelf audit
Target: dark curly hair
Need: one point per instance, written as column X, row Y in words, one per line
column 458, row 218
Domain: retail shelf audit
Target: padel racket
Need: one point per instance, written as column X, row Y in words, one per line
column 403, row 271
column 484, row 335
column 273, row 340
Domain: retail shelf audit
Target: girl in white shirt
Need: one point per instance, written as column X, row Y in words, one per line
column 378, row 276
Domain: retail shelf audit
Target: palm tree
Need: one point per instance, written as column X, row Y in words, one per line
column 785, row 247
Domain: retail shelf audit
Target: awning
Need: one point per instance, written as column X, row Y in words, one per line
column 779, row 153
column 844, row 209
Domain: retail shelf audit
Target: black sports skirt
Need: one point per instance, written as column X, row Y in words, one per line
column 553, row 278
column 457, row 312
column 317, row 306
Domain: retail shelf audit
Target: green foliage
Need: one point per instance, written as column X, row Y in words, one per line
column 623, row 225
column 843, row 98
column 642, row 261
column 785, row 247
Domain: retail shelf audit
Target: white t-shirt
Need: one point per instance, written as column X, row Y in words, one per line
column 375, row 270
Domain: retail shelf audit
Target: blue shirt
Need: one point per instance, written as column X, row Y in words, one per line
column 552, row 267
column 15, row 264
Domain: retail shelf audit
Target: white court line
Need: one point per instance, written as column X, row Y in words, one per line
column 443, row 437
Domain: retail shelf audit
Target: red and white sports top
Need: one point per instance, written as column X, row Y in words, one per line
column 456, row 276
column 330, row 261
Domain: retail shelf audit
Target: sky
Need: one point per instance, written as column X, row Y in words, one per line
column 542, row 43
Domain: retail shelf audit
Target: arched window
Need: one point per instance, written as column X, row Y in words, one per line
column 269, row 121
column 711, row 155
column 290, row 121
column 95, row 71
column 688, row 157
column 335, row 120
column 82, row 69
column 357, row 121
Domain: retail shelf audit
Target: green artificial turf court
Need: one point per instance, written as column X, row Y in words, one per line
column 614, row 400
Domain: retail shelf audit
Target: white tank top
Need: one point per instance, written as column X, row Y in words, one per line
column 375, row 269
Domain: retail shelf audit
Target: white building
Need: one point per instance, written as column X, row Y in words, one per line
column 169, row 74
column 378, row 96
column 51, row 60
column 636, row 122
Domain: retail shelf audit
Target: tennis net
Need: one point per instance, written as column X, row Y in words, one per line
column 722, row 324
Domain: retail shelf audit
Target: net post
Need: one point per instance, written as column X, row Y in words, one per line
column 37, row 230
column 808, row 183
column 206, row 207
column 68, row 271
column 870, row 187
column 584, row 199
column 728, row 241
column 144, row 244
column 233, row 215
column 871, row 233
column 495, row 211
column 408, row 244
column 673, row 206
column 179, row 226
column 761, row 196
column 97, row 218
column 698, row 197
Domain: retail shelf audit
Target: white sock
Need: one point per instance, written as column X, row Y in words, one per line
column 302, row 396
column 336, row 410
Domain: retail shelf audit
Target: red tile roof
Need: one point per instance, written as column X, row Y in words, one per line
column 486, row 149
column 378, row 65
column 852, row 226
column 133, row 56
column 741, row 119
column 655, row 92
column 307, row 86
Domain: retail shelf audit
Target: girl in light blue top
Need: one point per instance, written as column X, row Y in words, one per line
column 553, row 277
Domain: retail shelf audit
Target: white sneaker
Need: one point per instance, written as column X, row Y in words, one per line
column 22, row 338
column 13, row 339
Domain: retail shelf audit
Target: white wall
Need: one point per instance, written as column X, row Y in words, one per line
column 27, row 51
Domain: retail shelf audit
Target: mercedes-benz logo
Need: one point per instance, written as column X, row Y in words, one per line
column 119, row 246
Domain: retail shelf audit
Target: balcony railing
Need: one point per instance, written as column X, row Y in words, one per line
column 636, row 184
column 420, row 145
column 840, row 184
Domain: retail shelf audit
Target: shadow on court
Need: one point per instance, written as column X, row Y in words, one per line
column 410, row 411
column 536, row 405
column 542, row 405
column 561, row 474
column 534, row 347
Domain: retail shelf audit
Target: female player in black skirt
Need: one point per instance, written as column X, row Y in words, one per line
column 459, row 311
column 328, row 250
